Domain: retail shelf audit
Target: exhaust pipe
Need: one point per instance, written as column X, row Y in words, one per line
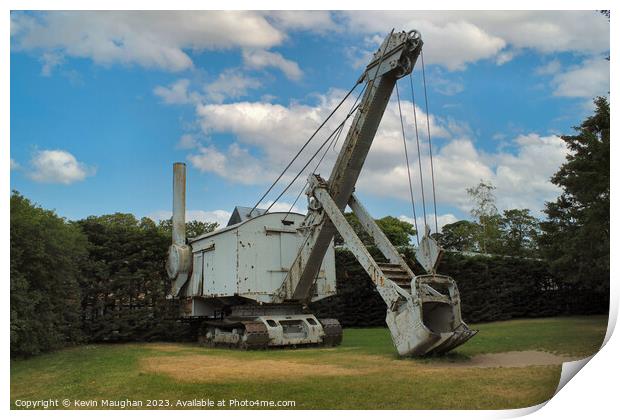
column 178, row 204
column 179, row 262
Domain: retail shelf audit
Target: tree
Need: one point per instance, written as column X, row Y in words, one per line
column 193, row 228
column 485, row 212
column 398, row 231
column 459, row 236
column 576, row 234
column 46, row 254
column 519, row 233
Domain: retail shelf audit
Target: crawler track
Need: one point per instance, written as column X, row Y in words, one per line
column 253, row 335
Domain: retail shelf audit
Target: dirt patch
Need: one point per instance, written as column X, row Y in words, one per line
column 210, row 368
column 509, row 359
column 167, row 347
column 202, row 368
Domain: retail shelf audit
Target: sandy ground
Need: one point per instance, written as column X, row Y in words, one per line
column 510, row 359
column 211, row 368
column 216, row 369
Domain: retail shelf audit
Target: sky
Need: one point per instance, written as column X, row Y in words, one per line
column 102, row 104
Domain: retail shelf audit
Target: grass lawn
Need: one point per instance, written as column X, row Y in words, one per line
column 363, row 373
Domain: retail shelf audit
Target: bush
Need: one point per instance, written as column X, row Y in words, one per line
column 124, row 282
column 46, row 253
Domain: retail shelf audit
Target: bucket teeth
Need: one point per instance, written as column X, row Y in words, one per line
column 454, row 340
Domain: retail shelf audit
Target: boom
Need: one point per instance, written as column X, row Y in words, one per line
column 394, row 59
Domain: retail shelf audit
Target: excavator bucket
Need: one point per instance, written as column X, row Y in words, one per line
column 429, row 320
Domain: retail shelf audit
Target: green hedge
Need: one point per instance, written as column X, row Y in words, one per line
column 46, row 253
column 124, row 282
column 492, row 288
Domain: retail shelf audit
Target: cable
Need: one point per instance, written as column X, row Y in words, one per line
column 304, row 146
column 333, row 142
column 306, row 165
column 371, row 83
column 402, row 127
column 430, row 145
column 314, row 171
column 417, row 139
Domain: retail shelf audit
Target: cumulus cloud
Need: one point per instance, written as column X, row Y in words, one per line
column 522, row 178
column 235, row 164
column 162, row 39
column 177, row 93
column 447, row 87
column 188, row 141
column 50, row 60
column 57, row 167
column 230, row 84
column 152, row 39
column 550, row 68
column 15, row 165
column 305, row 20
column 222, row 216
column 586, row 80
column 458, row 41
column 207, row 216
column 442, row 220
column 260, row 59
column 455, row 38
column 283, row 206
column 268, row 135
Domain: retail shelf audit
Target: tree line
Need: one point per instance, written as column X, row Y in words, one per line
column 103, row 278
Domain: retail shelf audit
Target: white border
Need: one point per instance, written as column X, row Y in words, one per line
column 592, row 394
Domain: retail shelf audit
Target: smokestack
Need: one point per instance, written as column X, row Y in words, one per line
column 178, row 204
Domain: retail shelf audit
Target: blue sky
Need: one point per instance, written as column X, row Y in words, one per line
column 102, row 104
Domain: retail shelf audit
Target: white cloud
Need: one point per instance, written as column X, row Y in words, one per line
column 450, row 41
column 442, row 220
column 305, row 20
column 236, row 164
column 447, row 87
column 219, row 216
column 15, row 165
column 230, row 84
column 283, row 206
column 50, row 60
column 267, row 135
column 188, row 141
column 162, row 39
column 57, row 167
column 455, row 38
column 152, row 39
column 279, row 131
column 550, row 68
column 177, row 93
column 589, row 79
column 522, row 178
column 504, row 57
column 260, row 59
